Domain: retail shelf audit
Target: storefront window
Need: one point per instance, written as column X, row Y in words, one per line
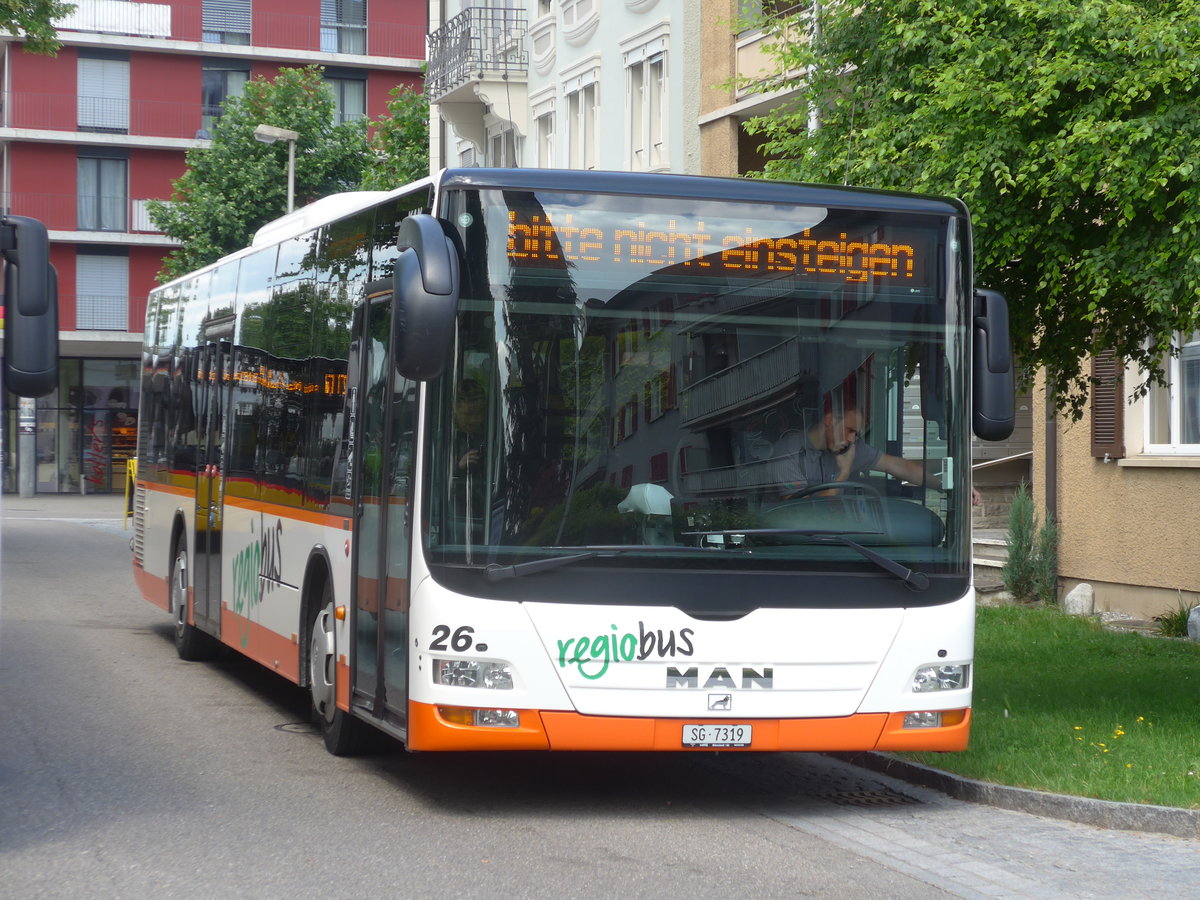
column 86, row 429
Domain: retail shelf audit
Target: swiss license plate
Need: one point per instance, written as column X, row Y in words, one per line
column 716, row 735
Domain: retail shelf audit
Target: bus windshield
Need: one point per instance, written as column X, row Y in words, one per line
column 699, row 386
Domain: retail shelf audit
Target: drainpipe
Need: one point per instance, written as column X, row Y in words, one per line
column 1051, row 457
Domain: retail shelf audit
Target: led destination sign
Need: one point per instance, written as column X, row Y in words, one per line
column 825, row 252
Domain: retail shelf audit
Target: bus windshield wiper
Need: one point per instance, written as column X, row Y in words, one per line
column 516, row 570
column 918, row 581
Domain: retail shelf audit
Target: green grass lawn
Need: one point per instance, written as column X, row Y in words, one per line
column 1064, row 705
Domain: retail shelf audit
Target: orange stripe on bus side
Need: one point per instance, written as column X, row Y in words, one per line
column 343, row 684
column 276, row 652
column 153, row 588
column 275, row 509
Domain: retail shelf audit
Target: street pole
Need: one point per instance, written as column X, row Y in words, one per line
column 269, row 134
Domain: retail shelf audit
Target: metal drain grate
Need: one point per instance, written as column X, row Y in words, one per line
column 879, row 797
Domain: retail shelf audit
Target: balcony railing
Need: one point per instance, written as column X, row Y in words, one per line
column 71, row 112
column 737, row 388
column 101, row 312
column 482, row 41
column 71, row 212
column 284, row 31
column 121, row 17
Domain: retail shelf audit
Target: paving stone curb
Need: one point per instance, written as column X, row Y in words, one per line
column 1184, row 823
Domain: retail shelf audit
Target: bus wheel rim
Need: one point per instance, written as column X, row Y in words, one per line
column 321, row 661
column 179, row 591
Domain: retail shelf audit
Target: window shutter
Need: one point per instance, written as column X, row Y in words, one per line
column 1108, row 406
column 103, row 94
column 102, row 292
column 226, row 16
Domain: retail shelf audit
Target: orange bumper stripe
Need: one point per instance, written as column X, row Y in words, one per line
column 548, row 730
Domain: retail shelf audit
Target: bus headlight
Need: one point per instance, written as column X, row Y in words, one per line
column 496, row 676
column 940, row 678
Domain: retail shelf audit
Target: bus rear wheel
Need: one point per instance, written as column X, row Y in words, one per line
column 344, row 735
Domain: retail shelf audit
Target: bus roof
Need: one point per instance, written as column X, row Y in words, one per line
column 663, row 184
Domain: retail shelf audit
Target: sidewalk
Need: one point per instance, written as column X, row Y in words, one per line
column 63, row 506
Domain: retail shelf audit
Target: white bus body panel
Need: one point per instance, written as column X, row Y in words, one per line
column 660, row 662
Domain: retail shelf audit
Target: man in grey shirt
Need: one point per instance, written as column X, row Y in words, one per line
column 830, row 451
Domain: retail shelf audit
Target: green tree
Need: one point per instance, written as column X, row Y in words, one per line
column 33, row 22
column 1071, row 128
column 237, row 184
column 400, row 142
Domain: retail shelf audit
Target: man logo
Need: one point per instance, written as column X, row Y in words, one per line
column 720, row 702
column 720, row 677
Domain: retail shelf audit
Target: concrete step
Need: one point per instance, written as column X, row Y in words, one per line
column 989, row 547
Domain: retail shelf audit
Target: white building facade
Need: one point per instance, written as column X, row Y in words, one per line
column 587, row 84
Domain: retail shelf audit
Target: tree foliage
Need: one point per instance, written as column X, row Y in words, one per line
column 400, row 142
column 237, row 184
column 1071, row 128
column 33, row 21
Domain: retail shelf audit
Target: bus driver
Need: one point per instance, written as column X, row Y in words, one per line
column 830, row 451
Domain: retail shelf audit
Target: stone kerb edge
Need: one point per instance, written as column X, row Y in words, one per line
column 1184, row 823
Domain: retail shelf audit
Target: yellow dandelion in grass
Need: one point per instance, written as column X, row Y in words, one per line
column 1141, row 718
column 1079, row 728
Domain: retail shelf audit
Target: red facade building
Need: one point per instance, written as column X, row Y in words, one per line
column 88, row 136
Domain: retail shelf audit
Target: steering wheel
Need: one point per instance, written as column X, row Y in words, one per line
column 867, row 508
column 835, row 486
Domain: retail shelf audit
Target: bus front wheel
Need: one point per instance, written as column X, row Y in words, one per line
column 191, row 643
column 344, row 735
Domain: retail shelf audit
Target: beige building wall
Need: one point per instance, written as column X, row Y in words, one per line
column 725, row 55
column 1129, row 527
column 718, row 133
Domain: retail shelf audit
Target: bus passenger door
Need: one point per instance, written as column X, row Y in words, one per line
column 210, row 391
column 387, row 423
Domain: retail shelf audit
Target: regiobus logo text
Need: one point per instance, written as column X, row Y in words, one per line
column 593, row 656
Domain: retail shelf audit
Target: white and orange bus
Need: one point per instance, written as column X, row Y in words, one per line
column 532, row 459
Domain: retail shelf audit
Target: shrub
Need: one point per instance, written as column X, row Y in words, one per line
column 1174, row 622
column 1031, row 572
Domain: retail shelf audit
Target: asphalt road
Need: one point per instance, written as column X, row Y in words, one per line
column 125, row 772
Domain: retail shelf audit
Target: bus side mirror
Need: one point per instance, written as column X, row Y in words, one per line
column 993, row 389
column 425, row 286
column 31, row 308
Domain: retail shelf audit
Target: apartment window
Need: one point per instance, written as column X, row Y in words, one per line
column 582, row 97
column 349, row 98
column 102, row 194
column 218, row 82
column 543, row 127
column 502, row 148
column 344, row 26
column 575, row 13
column 226, row 21
column 102, row 292
column 102, row 90
column 646, row 79
column 1173, row 411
